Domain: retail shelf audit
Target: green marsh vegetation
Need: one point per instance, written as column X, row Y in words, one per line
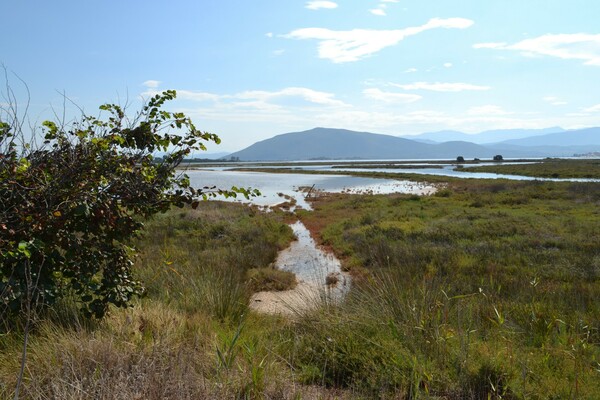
column 191, row 335
column 549, row 168
column 488, row 289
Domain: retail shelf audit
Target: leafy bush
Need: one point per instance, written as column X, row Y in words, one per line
column 70, row 208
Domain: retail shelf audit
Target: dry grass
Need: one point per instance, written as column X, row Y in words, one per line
column 271, row 279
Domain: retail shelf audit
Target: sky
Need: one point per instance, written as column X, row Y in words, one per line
column 250, row 70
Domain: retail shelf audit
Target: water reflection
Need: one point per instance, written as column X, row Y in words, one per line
column 434, row 167
column 274, row 186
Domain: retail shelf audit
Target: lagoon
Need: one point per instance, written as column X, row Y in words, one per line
column 274, row 187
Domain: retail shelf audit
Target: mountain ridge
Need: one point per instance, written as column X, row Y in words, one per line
column 332, row 143
column 485, row 137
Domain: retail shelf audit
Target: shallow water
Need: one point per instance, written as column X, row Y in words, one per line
column 446, row 170
column 273, row 186
column 312, row 266
column 307, row 261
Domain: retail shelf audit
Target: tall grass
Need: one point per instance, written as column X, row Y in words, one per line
column 194, row 264
column 487, row 289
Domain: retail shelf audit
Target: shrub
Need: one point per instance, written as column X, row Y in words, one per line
column 270, row 279
column 70, row 208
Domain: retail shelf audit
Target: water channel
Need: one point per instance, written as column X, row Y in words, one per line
column 274, row 187
column 318, row 273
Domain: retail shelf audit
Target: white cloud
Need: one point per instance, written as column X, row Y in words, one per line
column 309, row 95
column 441, row 87
column 316, row 5
column 448, row 65
column 197, row 96
column 260, row 99
column 498, row 45
column 389, row 1
column 348, row 46
column 151, row 84
column 269, row 34
column 429, row 120
column 555, row 101
column 378, row 11
column 242, row 118
column 278, row 52
column 487, row 110
column 593, row 109
column 390, row 97
column 410, row 70
column 577, row 46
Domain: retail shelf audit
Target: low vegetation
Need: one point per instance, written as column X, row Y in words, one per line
column 549, row 168
column 487, row 289
column 271, row 279
column 191, row 336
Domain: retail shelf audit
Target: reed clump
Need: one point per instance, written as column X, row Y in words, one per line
column 271, row 279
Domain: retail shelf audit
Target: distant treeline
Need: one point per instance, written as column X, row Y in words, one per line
column 203, row 160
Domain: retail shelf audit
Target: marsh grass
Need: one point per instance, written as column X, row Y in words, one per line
column 487, row 290
column 271, row 279
column 549, row 168
column 194, row 264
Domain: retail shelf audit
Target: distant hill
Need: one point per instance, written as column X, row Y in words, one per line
column 327, row 143
column 338, row 144
column 491, row 136
column 580, row 137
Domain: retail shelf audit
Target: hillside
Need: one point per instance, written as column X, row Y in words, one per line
column 330, row 144
column 490, row 136
column 327, row 143
column 580, row 137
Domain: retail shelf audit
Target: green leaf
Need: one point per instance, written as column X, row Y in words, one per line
column 24, row 249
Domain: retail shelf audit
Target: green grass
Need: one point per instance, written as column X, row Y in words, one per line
column 198, row 259
column 549, row 168
column 488, row 289
column 169, row 345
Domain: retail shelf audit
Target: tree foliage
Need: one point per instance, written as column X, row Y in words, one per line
column 70, row 207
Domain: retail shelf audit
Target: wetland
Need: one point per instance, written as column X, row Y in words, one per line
column 447, row 288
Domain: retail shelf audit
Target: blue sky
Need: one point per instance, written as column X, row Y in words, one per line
column 249, row 70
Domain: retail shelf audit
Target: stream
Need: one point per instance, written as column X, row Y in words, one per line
column 318, row 273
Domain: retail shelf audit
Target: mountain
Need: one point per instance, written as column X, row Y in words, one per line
column 339, row 144
column 441, row 136
column 490, row 136
column 580, row 137
column 326, row 143
column 330, row 144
